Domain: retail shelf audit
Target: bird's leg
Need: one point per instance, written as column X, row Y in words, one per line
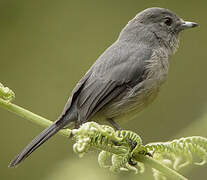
column 131, row 143
column 116, row 126
column 113, row 123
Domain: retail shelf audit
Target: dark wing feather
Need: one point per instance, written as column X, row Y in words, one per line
column 93, row 97
column 120, row 66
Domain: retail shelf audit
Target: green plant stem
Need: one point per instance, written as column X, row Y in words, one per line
column 169, row 173
column 34, row 118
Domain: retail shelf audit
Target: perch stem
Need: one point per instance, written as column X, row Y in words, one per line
column 32, row 117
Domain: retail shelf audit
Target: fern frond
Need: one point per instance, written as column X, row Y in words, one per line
column 114, row 145
column 181, row 152
column 117, row 152
column 6, row 93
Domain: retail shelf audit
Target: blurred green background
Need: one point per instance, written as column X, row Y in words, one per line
column 46, row 47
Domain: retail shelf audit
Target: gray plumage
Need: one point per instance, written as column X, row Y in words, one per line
column 125, row 78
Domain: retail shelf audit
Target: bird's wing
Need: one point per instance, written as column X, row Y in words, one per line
column 120, row 66
column 95, row 95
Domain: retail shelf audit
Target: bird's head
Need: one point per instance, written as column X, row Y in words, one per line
column 163, row 23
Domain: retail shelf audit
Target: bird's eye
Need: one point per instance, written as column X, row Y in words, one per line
column 168, row 21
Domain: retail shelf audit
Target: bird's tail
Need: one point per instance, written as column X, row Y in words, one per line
column 36, row 142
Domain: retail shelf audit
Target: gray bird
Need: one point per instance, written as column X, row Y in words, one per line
column 125, row 78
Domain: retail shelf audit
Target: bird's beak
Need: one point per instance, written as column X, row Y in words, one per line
column 187, row 25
